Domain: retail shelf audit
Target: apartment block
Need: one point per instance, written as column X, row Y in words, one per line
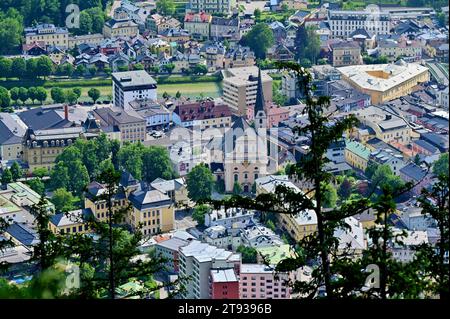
column 212, row 6
column 198, row 260
column 346, row 53
column 240, row 87
column 260, row 282
column 132, row 85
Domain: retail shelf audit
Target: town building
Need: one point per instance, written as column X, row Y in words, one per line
column 197, row 24
column 175, row 188
column 230, row 218
column 262, row 282
column 72, row 222
column 385, row 82
column 94, row 39
column 158, row 24
column 202, row 115
column 120, row 26
column 12, row 129
column 346, row 53
column 388, row 126
column 48, row 34
column 357, row 155
column 155, row 114
column 131, row 127
column 169, row 250
column 212, row 6
column 132, row 85
column 198, row 261
column 388, row 157
column 240, row 87
column 408, row 50
column 41, row 147
column 343, row 23
column 224, row 284
column 419, row 176
column 224, row 28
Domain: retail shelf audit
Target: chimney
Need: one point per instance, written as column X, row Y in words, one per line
column 66, row 111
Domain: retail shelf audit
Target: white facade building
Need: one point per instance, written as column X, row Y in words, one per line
column 230, row 218
column 196, row 261
column 212, row 6
column 132, row 85
column 343, row 23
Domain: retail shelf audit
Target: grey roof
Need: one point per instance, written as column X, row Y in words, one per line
column 224, row 21
column 119, row 116
column 72, row 217
column 133, row 78
column 40, row 118
column 173, row 243
column 143, row 199
column 424, row 144
column 440, row 141
column 413, row 171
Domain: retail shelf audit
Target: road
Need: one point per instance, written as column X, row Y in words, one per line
column 183, row 220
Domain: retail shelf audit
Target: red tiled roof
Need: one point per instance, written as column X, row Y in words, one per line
column 201, row 111
column 204, row 17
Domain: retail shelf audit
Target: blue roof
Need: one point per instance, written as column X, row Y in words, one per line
column 23, row 234
column 427, row 146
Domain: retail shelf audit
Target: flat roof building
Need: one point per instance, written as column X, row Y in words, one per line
column 132, row 85
column 385, row 82
column 240, row 87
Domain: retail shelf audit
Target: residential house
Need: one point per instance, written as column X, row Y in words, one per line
column 357, row 155
column 418, row 175
column 131, row 126
column 225, row 28
column 197, row 24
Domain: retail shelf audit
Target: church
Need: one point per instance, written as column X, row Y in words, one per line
column 243, row 154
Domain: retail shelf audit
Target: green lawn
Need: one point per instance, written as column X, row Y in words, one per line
column 192, row 90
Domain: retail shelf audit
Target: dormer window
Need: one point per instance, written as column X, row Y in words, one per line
column 52, row 143
column 45, row 143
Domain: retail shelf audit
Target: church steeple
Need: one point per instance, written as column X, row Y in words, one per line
column 259, row 104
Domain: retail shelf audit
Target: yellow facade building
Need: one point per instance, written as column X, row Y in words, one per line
column 73, row 222
column 356, row 155
column 41, row 147
column 385, row 82
column 49, row 34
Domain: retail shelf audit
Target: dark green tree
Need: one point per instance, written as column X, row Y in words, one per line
column 63, row 200
column 7, row 176
column 37, row 185
column 16, row 171
column 249, row 254
column 200, row 182
column 94, row 94
column 199, row 214
column 259, row 39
